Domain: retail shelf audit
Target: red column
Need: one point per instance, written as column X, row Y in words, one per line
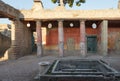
column 60, row 38
column 39, row 38
column 82, row 38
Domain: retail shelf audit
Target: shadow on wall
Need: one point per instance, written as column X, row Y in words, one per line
column 5, row 43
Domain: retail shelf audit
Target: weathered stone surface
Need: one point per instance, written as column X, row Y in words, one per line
column 71, row 14
column 5, row 29
column 5, row 43
column 8, row 11
column 70, row 44
column 61, row 38
column 20, row 40
column 104, row 37
column 82, row 38
column 39, row 38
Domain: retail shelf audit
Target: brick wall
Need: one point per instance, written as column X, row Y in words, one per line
column 21, row 40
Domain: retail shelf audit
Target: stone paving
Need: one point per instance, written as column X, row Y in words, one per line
column 26, row 68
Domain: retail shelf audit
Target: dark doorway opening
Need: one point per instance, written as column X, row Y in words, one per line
column 91, row 44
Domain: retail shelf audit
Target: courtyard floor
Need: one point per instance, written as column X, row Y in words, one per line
column 26, row 68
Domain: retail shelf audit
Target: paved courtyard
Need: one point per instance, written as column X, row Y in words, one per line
column 26, row 68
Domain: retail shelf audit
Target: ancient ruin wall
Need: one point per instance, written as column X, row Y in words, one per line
column 5, row 43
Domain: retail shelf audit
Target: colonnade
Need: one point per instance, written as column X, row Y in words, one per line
column 83, row 46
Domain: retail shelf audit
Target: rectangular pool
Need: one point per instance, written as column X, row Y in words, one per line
column 80, row 70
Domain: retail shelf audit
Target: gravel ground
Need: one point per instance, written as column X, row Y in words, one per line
column 26, row 68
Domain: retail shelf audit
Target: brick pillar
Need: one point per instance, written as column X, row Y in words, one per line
column 82, row 38
column 20, row 39
column 14, row 50
column 39, row 38
column 61, row 38
column 104, row 37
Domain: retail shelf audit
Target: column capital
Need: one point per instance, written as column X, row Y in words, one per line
column 38, row 22
column 104, row 20
column 82, row 20
column 60, row 20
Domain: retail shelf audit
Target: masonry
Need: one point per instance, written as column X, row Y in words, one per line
column 70, row 30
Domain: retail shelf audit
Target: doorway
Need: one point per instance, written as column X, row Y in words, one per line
column 91, row 44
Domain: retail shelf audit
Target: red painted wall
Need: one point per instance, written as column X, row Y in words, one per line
column 114, row 38
column 91, row 31
column 52, row 35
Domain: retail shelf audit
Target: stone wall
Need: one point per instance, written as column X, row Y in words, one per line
column 5, row 40
column 5, row 43
column 8, row 11
column 5, row 29
column 71, row 14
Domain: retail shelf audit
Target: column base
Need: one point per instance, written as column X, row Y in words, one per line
column 82, row 49
column 61, row 49
column 13, row 53
column 104, row 53
column 39, row 50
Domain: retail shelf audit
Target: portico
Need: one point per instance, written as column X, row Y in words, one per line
column 59, row 37
column 65, row 31
column 61, row 31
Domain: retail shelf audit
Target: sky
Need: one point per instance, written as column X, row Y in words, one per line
column 89, row 5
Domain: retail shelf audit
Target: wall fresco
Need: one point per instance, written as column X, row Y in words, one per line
column 114, row 39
